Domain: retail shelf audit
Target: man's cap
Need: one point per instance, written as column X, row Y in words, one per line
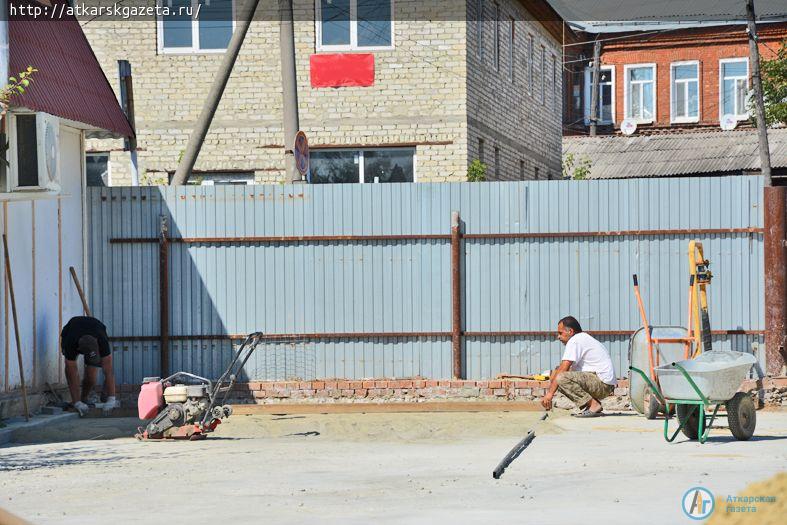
column 88, row 346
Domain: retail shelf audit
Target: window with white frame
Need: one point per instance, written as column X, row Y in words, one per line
column 685, row 91
column 221, row 178
column 641, row 92
column 25, row 165
column 336, row 166
column 605, row 113
column 195, row 26
column 97, row 168
column 344, row 25
column 734, row 84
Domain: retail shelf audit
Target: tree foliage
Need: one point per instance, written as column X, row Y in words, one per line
column 574, row 170
column 16, row 86
column 774, row 87
column 476, row 171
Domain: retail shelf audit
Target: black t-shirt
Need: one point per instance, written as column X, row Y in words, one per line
column 76, row 328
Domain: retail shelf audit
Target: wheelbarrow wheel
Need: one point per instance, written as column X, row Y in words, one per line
column 652, row 405
column 741, row 416
column 689, row 417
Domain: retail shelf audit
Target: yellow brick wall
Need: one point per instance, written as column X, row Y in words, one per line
column 419, row 96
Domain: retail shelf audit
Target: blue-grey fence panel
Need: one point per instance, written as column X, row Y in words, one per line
column 404, row 285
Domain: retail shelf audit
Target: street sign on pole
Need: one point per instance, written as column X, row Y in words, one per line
column 301, row 151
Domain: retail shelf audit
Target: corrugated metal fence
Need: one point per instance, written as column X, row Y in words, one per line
column 325, row 261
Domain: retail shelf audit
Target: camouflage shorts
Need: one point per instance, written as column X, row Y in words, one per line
column 580, row 387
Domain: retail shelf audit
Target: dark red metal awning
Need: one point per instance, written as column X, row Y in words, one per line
column 70, row 82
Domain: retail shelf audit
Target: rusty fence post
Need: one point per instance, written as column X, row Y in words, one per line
column 164, row 295
column 775, row 279
column 456, row 296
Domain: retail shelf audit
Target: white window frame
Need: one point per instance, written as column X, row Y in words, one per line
column 194, row 49
column 13, row 166
column 353, row 45
column 627, row 84
column 681, row 120
column 588, row 95
column 739, row 116
column 359, row 159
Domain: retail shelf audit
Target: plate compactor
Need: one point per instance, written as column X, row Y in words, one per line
column 186, row 406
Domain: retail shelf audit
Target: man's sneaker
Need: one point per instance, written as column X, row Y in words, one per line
column 110, row 404
column 82, row 408
column 92, row 398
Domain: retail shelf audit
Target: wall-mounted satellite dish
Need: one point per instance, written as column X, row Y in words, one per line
column 628, row 126
column 728, row 122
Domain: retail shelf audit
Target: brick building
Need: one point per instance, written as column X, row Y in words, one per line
column 666, row 77
column 448, row 86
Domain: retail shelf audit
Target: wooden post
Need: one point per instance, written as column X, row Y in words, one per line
column 81, row 293
column 456, row 296
column 10, row 282
column 164, row 296
column 594, row 87
column 759, row 104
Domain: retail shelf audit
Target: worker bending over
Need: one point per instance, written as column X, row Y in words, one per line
column 87, row 336
column 585, row 374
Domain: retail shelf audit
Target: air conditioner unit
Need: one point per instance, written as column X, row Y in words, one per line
column 48, row 142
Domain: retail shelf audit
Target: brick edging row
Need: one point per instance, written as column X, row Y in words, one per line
column 419, row 389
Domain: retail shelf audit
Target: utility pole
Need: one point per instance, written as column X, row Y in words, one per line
column 289, row 85
column 197, row 137
column 594, row 86
column 762, row 128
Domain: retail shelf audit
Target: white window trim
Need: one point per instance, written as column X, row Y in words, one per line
column 626, row 84
column 684, row 120
column 360, row 152
column 194, row 49
column 13, row 167
column 353, row 46
column 587, row 94
column 740, row 116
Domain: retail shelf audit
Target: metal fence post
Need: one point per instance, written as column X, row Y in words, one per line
column 164, row 295
column 456, row 296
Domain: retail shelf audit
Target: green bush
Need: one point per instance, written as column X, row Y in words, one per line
column 476, row 171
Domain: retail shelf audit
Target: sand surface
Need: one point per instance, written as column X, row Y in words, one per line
column 381, row 468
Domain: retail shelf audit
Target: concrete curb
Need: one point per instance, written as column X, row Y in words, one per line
column 15, row 424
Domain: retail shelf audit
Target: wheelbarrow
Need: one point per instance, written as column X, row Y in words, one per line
column 694, row 386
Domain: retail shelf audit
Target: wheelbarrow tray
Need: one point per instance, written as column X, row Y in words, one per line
column 716, row 374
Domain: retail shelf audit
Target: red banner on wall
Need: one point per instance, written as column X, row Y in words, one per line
column 342, row 70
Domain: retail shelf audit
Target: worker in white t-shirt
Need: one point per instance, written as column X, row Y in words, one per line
column 585, row 374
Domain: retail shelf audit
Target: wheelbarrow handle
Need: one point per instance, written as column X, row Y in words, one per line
column 653, row 387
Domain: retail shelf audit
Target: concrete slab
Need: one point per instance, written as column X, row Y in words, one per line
column 382, row 468
column 15, row 425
